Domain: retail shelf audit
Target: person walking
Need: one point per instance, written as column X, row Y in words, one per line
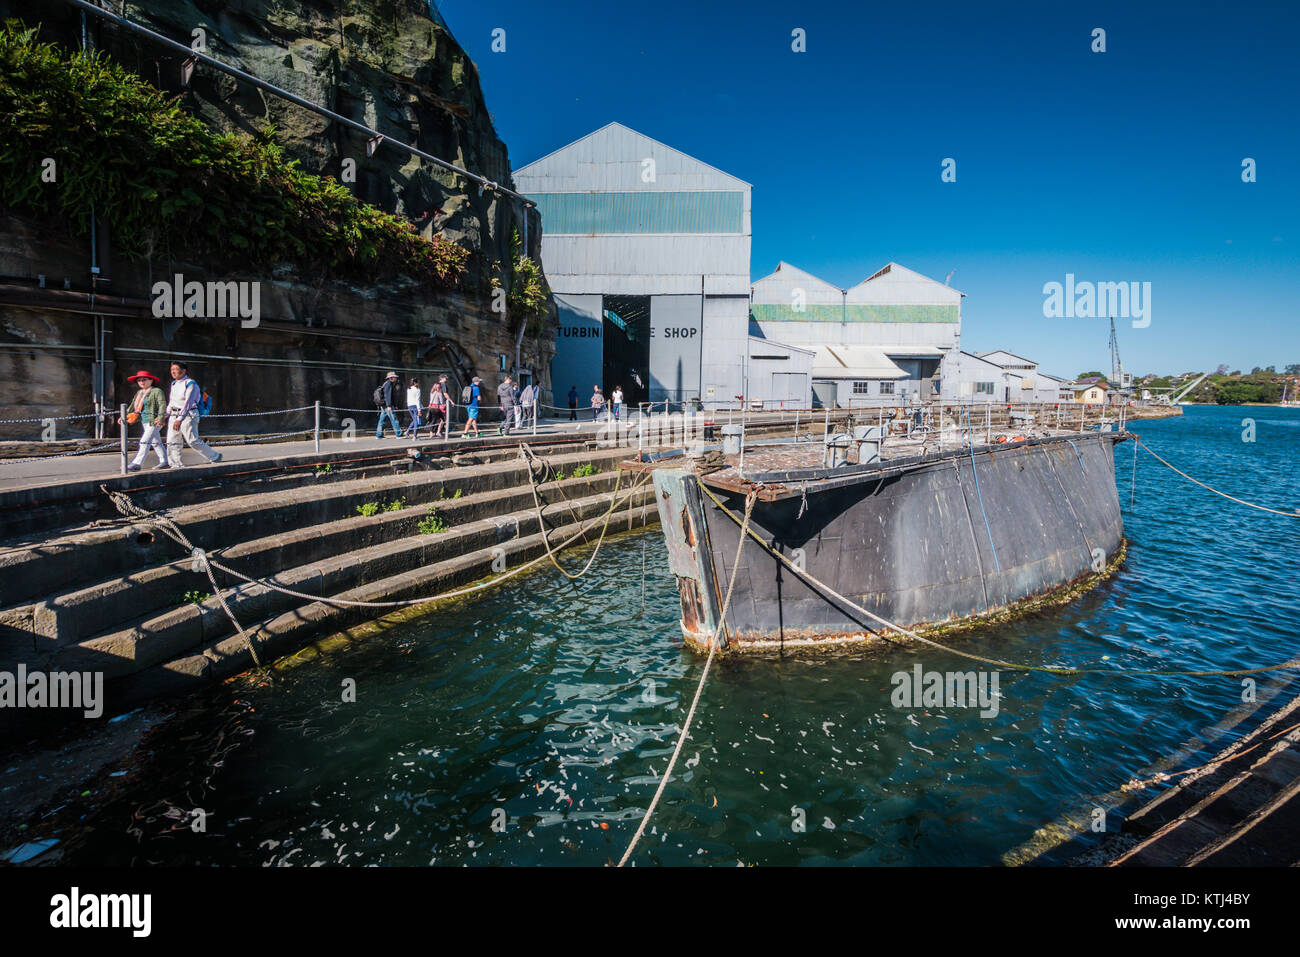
column 437, row 410
column 413, row 406
column 616, row 403
column 385, row 399
column 182, row 419
column 451, row 405
column 506, row 399
column 149, row 407
column 597, row 403
column 527, row 406
column 471, row 410
column 573, row 403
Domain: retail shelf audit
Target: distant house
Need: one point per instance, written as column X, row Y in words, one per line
column 1089, row 391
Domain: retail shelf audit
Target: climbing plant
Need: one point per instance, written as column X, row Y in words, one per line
column 78, row 131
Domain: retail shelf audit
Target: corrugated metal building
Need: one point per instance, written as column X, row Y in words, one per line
column 883, row 340
column 647, row 252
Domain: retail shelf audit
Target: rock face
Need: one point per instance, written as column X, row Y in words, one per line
column 385, row 63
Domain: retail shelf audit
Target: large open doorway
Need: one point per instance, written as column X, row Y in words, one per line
column 627, row 347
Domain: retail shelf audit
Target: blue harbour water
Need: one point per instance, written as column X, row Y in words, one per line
column 531, row 726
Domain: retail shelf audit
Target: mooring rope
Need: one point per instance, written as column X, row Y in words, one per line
column 527, row 454
column 690, row 715
column 172, row 531
column 1047, row 669
column 1231, row 498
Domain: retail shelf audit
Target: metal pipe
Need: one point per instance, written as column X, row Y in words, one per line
column 293, row 98
column 121, row 411
column 316, row 430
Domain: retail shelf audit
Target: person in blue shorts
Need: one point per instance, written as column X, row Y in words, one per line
column 475, row 394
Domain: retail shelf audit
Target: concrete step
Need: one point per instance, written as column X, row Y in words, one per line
column 289, row 631
column 78, row 614
column 155, row 639
column 1239, row 788
column 29, row 574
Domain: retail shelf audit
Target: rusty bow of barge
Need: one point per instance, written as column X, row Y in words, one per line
column 923, row 533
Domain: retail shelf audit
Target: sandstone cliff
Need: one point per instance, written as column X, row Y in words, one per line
column 387, row 64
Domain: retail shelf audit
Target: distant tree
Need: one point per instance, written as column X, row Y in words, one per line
column 1086, row 375
column 1223, row 370
column 1255, row 371
column 1293, row 369
column 1235, row 393
column 1271, row 370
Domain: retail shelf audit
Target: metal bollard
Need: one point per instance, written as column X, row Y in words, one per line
column 121, row 411
column 317, row 429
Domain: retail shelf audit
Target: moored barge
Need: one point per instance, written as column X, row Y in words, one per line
column 921, row 532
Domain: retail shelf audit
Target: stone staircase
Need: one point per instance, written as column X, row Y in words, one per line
column 117, row 596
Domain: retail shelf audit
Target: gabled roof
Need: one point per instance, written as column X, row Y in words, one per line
column 852, row 362
column 985, row 356
column 628, row 131
column 785, row 271
column 893, row 267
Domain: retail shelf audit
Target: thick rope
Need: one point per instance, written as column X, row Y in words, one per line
column 1047, row 669
column 541, row 523
column 690, row 715
column 1262, row 508
column 169, row 528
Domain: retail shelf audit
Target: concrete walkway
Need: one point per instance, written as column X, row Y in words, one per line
column 101, row 465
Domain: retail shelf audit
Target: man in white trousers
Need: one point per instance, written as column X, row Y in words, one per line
column 182, row 418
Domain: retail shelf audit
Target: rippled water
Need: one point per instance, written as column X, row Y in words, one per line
column 550, row 708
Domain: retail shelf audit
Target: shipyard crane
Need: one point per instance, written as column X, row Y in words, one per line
column 1122, row 380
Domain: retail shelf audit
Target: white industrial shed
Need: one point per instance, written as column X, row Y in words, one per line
column 999, row 376
column 883, row 340
column 647, row 252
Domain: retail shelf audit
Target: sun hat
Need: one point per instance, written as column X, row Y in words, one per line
column 392, row 375
column 143, row 375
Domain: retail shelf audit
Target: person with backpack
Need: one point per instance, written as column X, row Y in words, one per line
column 597, row 403
column 437, row 410
column 385, row 398
column 149, row 408
column 506, row 399
column 184, row 406
column 471, row 396
column 413, row 406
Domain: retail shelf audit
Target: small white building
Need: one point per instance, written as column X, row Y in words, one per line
column 999, row 376
column 881, row 341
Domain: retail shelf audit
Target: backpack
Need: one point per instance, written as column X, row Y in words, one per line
column 466, row 395
column 379, row 395
column 203, row 406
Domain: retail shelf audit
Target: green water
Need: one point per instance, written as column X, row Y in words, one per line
column 530, row 726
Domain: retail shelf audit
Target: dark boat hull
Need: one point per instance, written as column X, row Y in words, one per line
column 929, row 546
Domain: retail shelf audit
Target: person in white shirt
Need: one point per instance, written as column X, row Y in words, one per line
column 182, row 419
column 616, row 402
column 597, row 402
column 413, row 406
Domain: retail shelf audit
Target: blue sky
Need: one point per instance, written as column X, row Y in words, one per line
column 1116, row 166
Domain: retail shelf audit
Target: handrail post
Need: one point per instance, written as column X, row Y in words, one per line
column 316, row 430
column 121, row 411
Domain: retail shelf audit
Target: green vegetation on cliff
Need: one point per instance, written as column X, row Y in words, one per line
column 166, row 182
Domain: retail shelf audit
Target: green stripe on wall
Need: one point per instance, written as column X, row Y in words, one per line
column 647, row 211
column 854, row 312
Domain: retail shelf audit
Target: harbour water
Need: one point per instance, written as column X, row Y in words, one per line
column 531, row 726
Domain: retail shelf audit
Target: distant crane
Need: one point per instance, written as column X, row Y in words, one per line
column 1123, row 381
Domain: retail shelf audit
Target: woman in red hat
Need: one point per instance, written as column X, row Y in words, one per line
column 149, row 407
